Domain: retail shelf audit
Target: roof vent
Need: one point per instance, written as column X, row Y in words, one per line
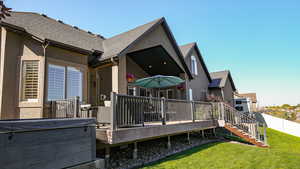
column 90, row 32
column 75, row 27
column 60, row 21
column 44, row 15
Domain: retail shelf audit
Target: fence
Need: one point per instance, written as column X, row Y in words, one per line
column 130, row 111
column 282, row 125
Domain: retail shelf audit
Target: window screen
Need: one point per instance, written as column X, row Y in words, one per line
column 30, row 80
column 56, row 82
column 74, row 83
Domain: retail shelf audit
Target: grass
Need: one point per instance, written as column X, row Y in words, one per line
column 284, row 153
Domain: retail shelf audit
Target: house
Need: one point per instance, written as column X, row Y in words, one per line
column 43, row 59
column 252, row 97
column 198, row 86
column 222, row 86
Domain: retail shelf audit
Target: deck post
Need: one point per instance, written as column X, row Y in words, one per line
column 214, row 131
column 135, row 151
column 113, row 119
column 192, row 111
column 202, row 133
column 169, row 142
column 76, row 107
column 163, row 110
column 265, row 134
column 222, row 111
column 188, row 137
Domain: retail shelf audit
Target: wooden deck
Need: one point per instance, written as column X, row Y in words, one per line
column 151, row 130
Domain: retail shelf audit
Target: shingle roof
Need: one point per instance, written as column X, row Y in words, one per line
column 44, row 28
column 116, row 44
column 252, row 96
column 185, row 50
column 219, row 79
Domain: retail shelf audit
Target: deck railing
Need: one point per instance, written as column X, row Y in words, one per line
column 245, row 122
column 131, row 111
column 67, row 108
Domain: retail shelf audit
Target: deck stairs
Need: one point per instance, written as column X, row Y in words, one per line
column 244, row 125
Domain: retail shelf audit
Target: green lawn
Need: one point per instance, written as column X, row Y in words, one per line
column 284, row 153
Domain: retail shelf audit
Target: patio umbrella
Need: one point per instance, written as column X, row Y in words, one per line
column 158, row 81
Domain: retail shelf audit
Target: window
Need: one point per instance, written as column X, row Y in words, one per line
column 194, row 65
column 170, row 94
column 74, row 82
column 64, row 82
column 191, row 94
column 143, row 92
column 131, row 91
column 238, row 102
column 239, row 108
column 30, row 80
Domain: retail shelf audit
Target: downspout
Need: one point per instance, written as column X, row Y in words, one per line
column 44, row 46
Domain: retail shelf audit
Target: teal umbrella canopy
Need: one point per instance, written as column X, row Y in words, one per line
column 158, row 81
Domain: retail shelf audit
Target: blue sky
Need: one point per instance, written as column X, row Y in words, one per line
column 258, row 41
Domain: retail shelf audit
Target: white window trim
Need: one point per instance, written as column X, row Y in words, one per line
column 194, row 65
column 21, row 96
column 190, row 94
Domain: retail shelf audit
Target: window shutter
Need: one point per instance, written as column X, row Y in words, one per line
column 56, row 82
column 30, row 80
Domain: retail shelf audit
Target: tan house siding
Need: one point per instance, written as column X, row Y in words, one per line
column 200, row 83
column 10, row 55
column 17, row 48
column 157, row 37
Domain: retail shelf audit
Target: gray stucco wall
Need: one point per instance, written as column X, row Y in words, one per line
column 200, row 83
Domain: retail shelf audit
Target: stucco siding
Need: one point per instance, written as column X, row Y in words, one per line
column 200, row 83
column 10, row 58
column 157, row 37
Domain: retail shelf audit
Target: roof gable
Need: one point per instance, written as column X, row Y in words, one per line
column 119, row 44
column 186, row 51
column 221, row 77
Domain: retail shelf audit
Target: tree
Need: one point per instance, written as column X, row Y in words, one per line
column 4, row 11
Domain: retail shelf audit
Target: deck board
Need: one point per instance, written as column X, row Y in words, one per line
column 150, row 130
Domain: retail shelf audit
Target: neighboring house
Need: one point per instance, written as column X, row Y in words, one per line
column 198, row 86
column 43, row 59
column 252, row 97
column 222, row 86
column 243, row 105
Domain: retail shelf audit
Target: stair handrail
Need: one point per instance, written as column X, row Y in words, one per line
column 246, row 122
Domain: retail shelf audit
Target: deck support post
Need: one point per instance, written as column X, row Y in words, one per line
column 202, row 133
column 188, row 137
column 214, row 132
column 135, row 151
column 169, row 142
column 107, row 156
